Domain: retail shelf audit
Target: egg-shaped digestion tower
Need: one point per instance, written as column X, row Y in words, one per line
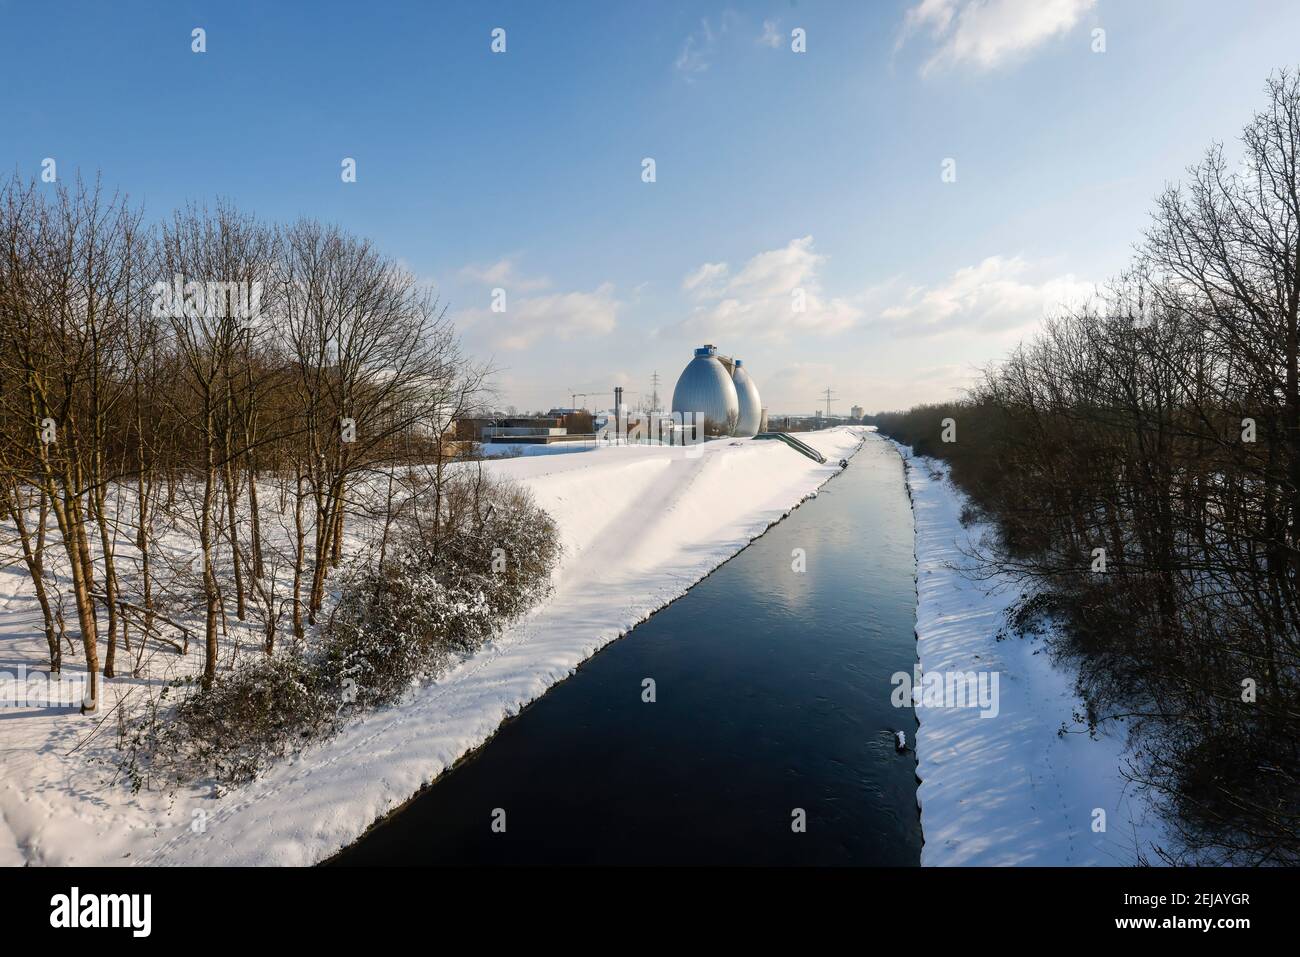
column 706, row 389
column 751, row 406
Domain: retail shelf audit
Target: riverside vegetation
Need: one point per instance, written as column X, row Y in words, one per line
column 1140, row 460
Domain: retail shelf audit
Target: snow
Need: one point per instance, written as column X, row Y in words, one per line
column 639, row 525
column 492, row 450
column 1006, row 789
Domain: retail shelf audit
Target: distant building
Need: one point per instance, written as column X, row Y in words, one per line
column 578, row 421
column 750, row 420
column 856, row 413
column 718, row 390
column 527, row 430
column 705, row 389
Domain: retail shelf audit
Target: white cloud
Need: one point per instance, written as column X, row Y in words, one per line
column 502, row 273
column 995, row 296
column 701, row 47
column 563, row 316
column 771, row 37
column 762, row 299
column 697, row 50
column 988, row 33
column 705, row 279
column 776, row 271
column 935, row 14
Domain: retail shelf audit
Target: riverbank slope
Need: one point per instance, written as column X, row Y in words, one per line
column 1009, row 788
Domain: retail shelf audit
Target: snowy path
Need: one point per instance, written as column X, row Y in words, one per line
column 640, row 525
column 1007, row 789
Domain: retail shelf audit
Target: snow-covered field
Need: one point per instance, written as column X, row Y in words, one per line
column 1006, row 789
column 640, row 525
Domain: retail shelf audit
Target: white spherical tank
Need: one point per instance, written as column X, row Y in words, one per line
column 705, row 389
column 751, row 406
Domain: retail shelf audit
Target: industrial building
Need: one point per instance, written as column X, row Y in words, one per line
column 718, row 390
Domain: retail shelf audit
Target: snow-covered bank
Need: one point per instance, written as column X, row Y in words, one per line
column 1006, row 788
column 640, row 525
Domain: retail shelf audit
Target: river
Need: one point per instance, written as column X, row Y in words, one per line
column 771, row 709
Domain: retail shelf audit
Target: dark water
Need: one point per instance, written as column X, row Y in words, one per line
column 772, row 694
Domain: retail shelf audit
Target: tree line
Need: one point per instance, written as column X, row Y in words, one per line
column 157, row 376
column 1140, row 460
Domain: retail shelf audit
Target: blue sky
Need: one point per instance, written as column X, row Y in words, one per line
column 775, row 171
